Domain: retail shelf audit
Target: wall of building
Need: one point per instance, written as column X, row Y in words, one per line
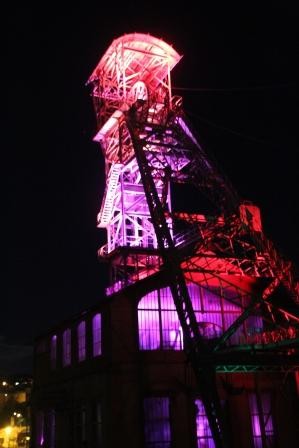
column 118, row 381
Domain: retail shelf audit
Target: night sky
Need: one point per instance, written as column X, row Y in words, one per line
column 238, row 69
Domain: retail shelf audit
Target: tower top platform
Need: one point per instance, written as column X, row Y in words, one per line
column 137, row 57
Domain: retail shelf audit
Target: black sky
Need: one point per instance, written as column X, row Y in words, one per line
column 244, row 61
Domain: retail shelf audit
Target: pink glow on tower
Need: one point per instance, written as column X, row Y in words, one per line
column 136, row 67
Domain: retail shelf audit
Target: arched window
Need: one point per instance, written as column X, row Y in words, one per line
column 40, row 428
column 215, row 310
column 159, row 327
column 97, row 335
column 157, row 431
column 81, row 335
column 66, row 347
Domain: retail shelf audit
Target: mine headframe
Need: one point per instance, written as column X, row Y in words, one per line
column 149, row 145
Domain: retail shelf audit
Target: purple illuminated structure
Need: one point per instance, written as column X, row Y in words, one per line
column 221, row 270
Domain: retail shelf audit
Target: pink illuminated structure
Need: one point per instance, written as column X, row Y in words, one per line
column 134, row 72
column 221, row 271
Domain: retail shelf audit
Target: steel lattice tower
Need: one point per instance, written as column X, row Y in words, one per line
column 149, row 145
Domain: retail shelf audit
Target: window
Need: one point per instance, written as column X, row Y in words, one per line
column 159, row 327
column 261, row 419
column 96, row 335
column 81, row 335
column 156, row 423
column 53, row 351
column 40, row 424
column 203, row 432
column 66, row 348
column 215, row 310
column 97, row 425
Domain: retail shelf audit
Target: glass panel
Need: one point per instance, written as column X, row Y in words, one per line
column 212, row 300
column 233, row 301
column 156, row 423
column 166, row 299
column 195, row 295
column 97, row 335
column 52, row 429
column 149, row 330
column 53, row 353
column 97, row 418
column 204, row 435
column 171, row 331
column 40, row 423
column 265, row 419
column 81, row 334
column 66, row 347
column 159, row 326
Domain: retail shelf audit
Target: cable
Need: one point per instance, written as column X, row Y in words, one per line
column 232, row 131
column 234, row 89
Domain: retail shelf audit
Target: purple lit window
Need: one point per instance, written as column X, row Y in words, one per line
column 261, row 419
column 216, row 309
column 159, row 327
column 97, row 335
column 203, row 432
column 81, row 334
column 156, row 423
column 66, row 347
column 53, row 351
column 40, row 428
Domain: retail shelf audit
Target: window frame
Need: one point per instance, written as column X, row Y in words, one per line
column 67, row 347
column 258, row 420
column 81, row 341
column 157, row 422
column 53, row 351
column 96, row 341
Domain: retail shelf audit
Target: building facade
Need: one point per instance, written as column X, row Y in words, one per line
column 118, row 375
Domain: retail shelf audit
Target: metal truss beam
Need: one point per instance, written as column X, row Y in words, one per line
column 196, row 347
